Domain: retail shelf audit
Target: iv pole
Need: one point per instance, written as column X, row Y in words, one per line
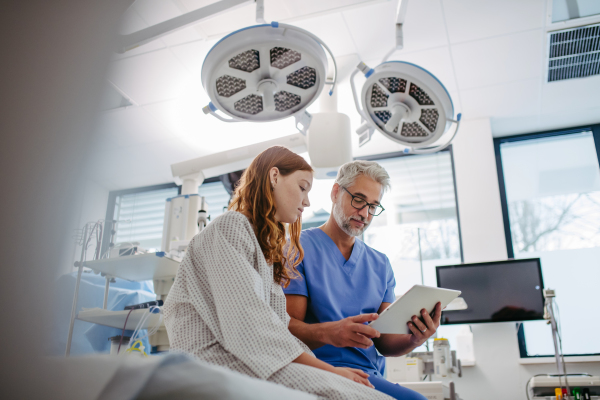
column 549, row 295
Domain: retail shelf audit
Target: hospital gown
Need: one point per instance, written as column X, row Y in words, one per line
column 225, row 308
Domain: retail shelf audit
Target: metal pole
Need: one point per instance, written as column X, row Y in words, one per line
column 557, row 349
column 422, row 278
column 420, row 256
column 74, row 307
column 106, row 286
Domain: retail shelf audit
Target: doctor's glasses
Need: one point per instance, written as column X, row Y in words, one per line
column 360, row 203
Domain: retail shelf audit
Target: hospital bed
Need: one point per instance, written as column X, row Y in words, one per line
column 172, row 376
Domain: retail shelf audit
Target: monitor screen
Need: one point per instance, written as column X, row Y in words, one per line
column 495, row 291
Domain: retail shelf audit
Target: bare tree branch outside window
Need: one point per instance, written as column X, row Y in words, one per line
column 556, row 222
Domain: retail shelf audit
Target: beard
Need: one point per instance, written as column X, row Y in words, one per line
column 343, row 221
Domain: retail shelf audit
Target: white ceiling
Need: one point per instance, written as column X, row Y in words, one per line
column 489, row 54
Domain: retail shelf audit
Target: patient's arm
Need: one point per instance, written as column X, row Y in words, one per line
column 353, row 374
column 348, row 332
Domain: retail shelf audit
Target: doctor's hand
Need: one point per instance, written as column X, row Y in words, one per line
column 351, row 332
column 354, row 374
column 423, row 330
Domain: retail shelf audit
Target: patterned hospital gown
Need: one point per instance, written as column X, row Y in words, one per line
column 225, row 308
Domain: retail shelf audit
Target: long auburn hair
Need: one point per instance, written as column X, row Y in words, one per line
column 254, row 198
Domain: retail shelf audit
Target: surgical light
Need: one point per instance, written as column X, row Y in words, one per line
column 266, row 73
column 405, row 103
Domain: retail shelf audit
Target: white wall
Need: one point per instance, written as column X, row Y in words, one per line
column 497, row 374
column 478, row 194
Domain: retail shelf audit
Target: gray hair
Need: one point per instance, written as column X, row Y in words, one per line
column 348, row 173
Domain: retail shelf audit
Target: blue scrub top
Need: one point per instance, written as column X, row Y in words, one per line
column 337, row 289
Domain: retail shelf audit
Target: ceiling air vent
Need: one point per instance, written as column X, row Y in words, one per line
column 574, row 53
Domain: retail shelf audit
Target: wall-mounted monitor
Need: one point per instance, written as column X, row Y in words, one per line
column 497, row 291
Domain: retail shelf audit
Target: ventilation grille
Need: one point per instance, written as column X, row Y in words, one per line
column 574, row 53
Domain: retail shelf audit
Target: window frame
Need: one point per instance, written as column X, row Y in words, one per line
column 595, row 129
column 398, row 154
column 529, row 136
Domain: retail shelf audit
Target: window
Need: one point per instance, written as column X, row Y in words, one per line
column 320, row 203
column 420, row 221
column 564, row 10
column 550, row 184
column 216, row 196
column 139, row 213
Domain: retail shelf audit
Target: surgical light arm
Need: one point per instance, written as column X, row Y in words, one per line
column 400, row 16
column 230, row 160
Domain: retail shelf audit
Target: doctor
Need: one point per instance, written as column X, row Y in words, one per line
column 344, row 284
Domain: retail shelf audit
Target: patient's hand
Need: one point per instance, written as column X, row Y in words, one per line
column 351, row 332
column 354, row 374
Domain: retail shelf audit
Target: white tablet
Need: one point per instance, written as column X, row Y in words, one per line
column 394, row 318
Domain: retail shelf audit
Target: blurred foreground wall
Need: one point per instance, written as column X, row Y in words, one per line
column 54, row 56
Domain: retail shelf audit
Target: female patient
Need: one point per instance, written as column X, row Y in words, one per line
column 227, row 307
